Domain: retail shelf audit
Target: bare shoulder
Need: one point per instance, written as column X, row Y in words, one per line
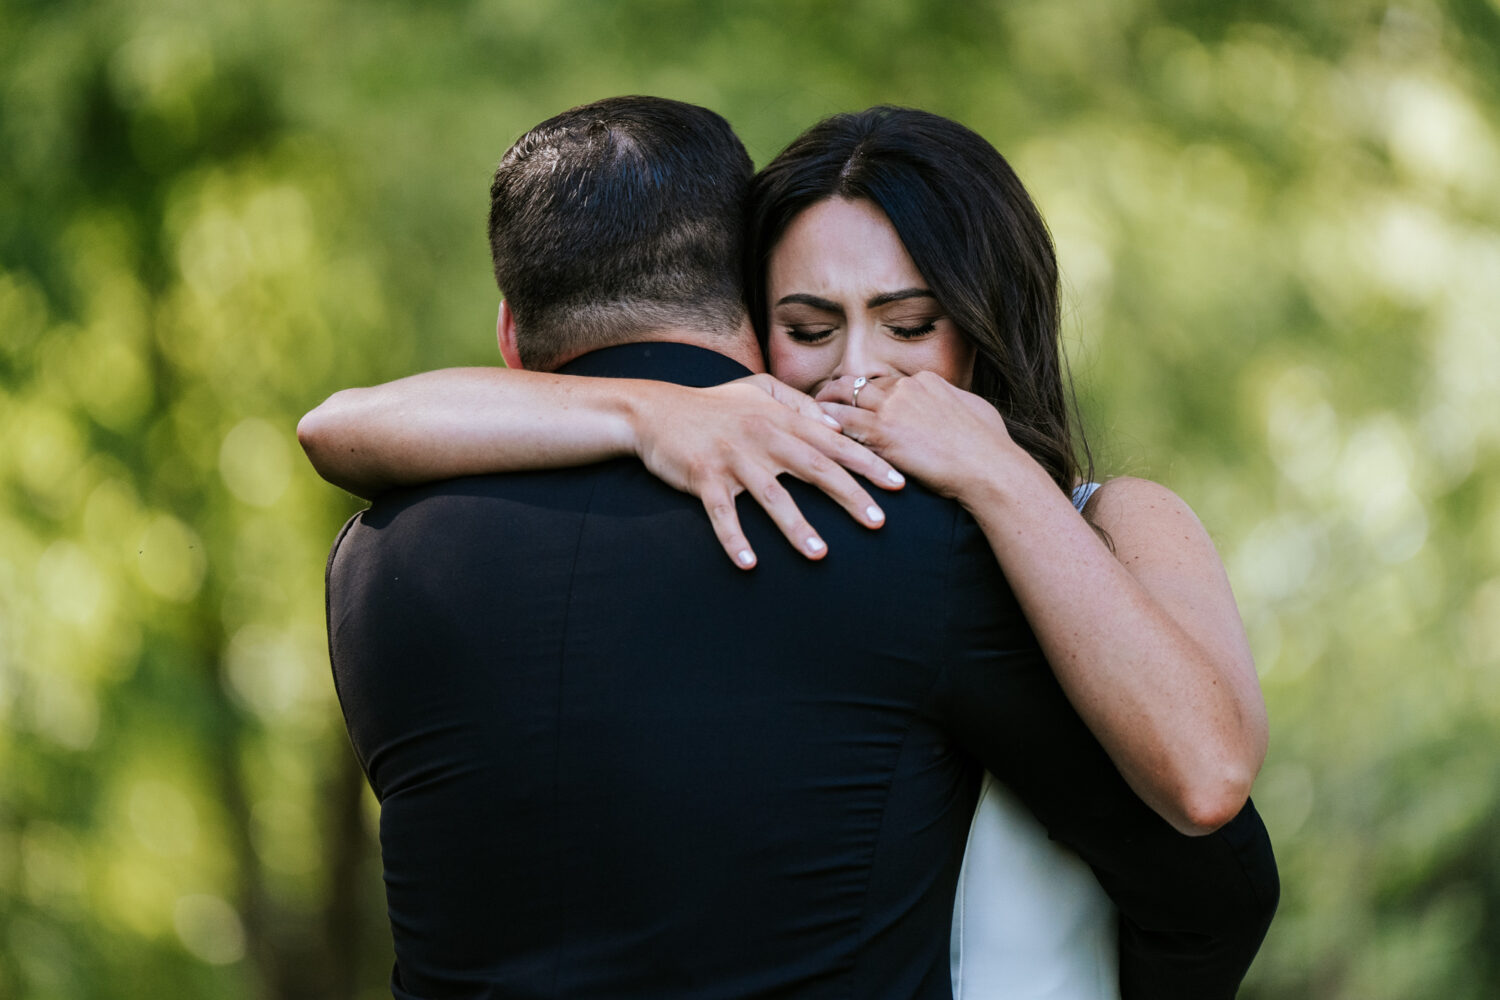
column 1129, row 495
column 1147, row 521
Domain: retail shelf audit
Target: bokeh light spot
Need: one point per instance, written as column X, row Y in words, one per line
column 70, row 583
column 64, row 710
column 163, row 818
column 172, row 560
column 209, row 928
column 267, row 671
column 1302, row 428
column 255, row 462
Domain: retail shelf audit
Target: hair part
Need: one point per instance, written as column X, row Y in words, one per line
column 616, row 219
column 975, row 236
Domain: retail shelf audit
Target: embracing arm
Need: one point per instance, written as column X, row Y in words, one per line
column 1193, row 909
column 1145, row 640
column 462, row 422
column 472, row 421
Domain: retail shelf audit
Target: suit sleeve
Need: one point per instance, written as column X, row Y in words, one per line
column 1194, row 910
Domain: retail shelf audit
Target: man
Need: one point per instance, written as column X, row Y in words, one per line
column 612, row 765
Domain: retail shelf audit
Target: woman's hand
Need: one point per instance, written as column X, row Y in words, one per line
column 718, row 442
column 924, row 425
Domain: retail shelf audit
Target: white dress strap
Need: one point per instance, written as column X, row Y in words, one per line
column 1082, row 492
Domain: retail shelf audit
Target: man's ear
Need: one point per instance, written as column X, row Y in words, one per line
column 505, row 333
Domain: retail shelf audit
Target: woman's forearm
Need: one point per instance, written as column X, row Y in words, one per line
column 469, row 421
column 1146, row 640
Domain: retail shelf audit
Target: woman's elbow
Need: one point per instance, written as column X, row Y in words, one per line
column 318, row 426
column 319, row 434
column 315, row 434
column 1216, row 790
column 1213, row 802
column 311, row 431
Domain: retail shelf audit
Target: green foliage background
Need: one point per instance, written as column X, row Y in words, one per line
column 1280, row 228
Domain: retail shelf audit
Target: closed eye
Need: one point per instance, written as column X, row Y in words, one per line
column 912, row 332
column 809, row 334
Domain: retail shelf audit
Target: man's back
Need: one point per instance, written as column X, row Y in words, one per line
column 611, row 764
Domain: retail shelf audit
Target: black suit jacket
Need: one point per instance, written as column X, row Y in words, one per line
column 612, row 765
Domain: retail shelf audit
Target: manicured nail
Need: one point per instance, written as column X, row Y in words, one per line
column 746, row 557
column 832, row 422
column 874, row 513
column 815, row 544
column 895, row 477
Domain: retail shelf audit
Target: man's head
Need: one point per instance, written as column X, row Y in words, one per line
column 616, row 220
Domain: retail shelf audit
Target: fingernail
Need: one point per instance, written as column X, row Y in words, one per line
column 874, row 513
column 832, row 422
column 746, row 557
column 815, row 544
column 895, row 477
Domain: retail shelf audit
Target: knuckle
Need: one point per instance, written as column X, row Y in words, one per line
column 772, row 491
column 821, row 465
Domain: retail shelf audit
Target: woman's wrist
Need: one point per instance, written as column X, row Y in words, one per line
column 638, row 414
column 1005, row 481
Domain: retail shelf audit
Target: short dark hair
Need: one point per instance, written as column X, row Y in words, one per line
column 972, row 231
column 617, row 218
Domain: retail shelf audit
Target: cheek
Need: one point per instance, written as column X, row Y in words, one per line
column 798, row 365
column 953, row 358
column 962, row 360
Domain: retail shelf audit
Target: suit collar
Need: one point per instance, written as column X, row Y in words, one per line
column 663, row 361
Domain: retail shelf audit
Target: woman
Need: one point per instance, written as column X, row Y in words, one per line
column 899, row 273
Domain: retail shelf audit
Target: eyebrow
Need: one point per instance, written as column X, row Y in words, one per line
column 883, row 299
column 887, row 298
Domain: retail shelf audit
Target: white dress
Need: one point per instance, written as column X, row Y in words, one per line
column 1029, row 920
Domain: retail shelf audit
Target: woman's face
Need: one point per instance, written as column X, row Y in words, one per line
column 846, row 300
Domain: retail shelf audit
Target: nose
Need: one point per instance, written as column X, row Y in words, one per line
column 860, row 357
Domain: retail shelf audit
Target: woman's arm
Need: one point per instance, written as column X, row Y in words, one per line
column 713, row 443
column 461, row 422
column 1146, row 640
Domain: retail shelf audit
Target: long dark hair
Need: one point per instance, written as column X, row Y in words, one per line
column 973, row 233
